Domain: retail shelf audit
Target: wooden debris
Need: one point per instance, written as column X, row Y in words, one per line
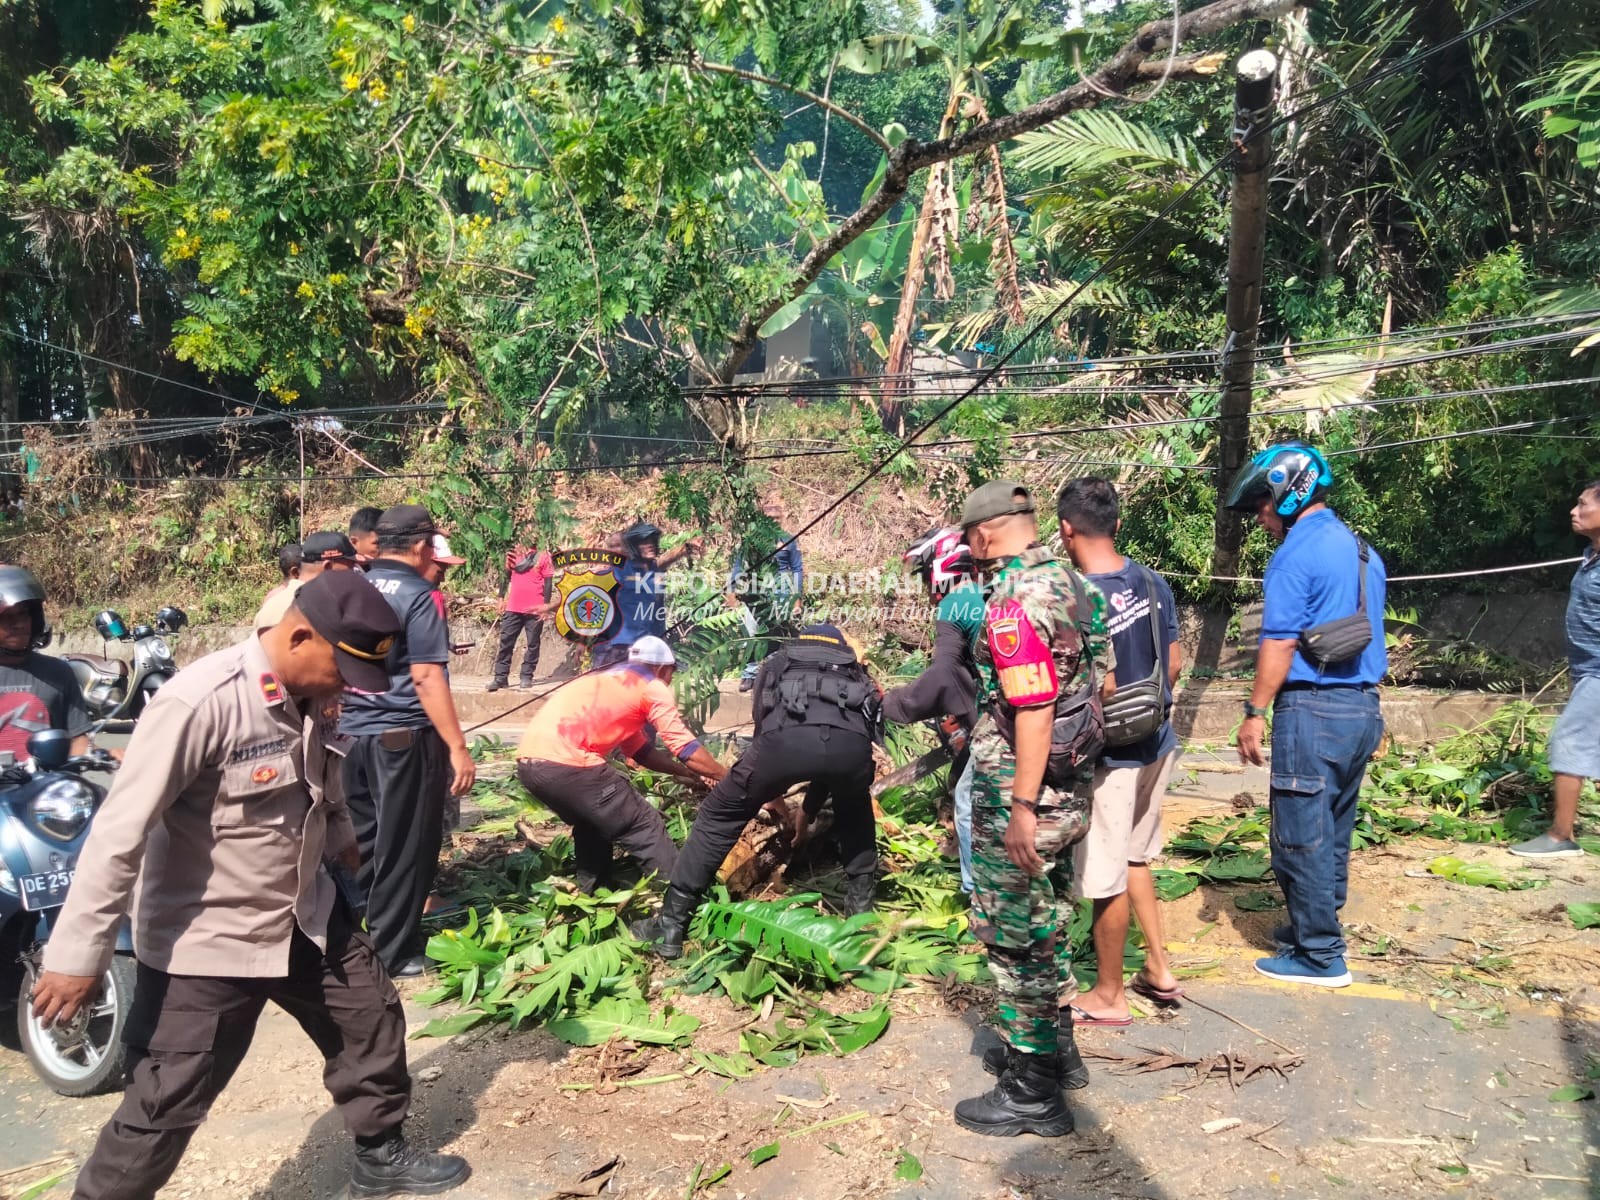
column 1235, row 1067
column 592, row 1184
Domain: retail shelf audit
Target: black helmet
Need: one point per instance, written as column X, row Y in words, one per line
column 1295, row 475
column 18, row 586
column 639, row 535
column 170, row 619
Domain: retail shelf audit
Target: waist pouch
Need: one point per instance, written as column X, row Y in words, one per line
column 1077, row 735
column 1343, row 638
column 1137, row 710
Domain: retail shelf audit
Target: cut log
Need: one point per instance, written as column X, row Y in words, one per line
column 767, row 847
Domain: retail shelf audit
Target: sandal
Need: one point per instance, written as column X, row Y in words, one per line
column 1150, row 991
column 1079, row 1017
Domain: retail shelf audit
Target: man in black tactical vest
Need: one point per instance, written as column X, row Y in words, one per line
column 817, row 713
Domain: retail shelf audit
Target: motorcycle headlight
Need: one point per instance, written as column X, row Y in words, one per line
column 159, row 648
column 8, row 881
column 62, row 809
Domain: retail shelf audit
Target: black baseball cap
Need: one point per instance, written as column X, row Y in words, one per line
column 348, row 611
column 406, row 519
column 328, row 546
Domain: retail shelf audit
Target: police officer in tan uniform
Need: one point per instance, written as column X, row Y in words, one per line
column 229, row 800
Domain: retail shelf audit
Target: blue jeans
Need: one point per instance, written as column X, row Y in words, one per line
column 963, row 817
column 1321, row 741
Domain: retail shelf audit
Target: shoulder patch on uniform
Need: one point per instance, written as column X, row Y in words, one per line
column 1004, row 637
column 271, row 689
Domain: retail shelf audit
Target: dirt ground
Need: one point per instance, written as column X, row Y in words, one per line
column 1432, row 1074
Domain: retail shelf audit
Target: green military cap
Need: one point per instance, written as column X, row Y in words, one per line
column 998, row 498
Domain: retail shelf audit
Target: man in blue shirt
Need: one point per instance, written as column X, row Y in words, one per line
column 1111, row 863
column 1320, row 661
column 641, row 593
column 1575, row 740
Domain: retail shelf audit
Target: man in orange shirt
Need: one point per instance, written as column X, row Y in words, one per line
column 562, row 760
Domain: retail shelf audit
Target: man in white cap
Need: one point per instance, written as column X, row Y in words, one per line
column 563, row 757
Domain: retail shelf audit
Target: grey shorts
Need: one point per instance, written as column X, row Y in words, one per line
column 1575, row 740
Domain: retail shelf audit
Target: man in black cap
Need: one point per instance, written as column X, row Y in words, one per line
column 817, row 713
column 229, row 800
column 326, row 550
column 408, row 741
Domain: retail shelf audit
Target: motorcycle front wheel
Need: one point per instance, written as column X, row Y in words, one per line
column 85, row 1056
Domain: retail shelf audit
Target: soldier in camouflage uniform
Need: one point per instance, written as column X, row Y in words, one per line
column 1045, row 638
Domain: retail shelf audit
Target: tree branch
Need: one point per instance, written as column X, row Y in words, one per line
column 1122, row 69
column 700, row 64
column 1191, row 68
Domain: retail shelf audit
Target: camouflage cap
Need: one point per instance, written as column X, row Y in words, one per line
column 998, row 498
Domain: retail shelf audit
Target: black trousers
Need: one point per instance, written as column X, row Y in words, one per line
column 835, row 762
column 603, row 809
column 187, row 1035
column 512, row 626
column 395, row 785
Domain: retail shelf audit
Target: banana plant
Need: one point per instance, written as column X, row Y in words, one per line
column 984, row 34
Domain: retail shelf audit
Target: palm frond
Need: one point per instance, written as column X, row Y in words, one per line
column 826, row 945
column 1088, row 142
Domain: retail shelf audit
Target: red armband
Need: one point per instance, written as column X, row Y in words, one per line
column 1023, row 663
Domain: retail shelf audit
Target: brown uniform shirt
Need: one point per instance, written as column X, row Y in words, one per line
column 221, row 812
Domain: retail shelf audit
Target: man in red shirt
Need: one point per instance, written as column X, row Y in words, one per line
column 563, row 759
column 525, row 607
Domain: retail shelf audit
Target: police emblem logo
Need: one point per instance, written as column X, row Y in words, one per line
column 1005, row 637
column 585, row 584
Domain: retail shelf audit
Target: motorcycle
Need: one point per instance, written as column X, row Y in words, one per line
column 46, row 807
column 113, row 696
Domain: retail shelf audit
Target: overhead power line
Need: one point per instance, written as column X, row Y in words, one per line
column 1409, row 62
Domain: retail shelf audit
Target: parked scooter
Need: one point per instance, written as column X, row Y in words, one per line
column 112, row 694
column 46, row 807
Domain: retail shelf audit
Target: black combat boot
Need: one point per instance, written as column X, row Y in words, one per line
column 1074, row 1074
column 859, row 891
column 669, row 926
column 496, row 684
column 394, row 1167
column 1026, row 1100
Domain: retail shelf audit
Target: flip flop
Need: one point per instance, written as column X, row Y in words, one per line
column 1079, row 1017
column 1151, row 992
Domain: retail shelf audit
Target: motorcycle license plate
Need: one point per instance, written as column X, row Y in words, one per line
column 47, row 889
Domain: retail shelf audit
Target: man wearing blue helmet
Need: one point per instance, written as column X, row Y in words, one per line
column 1318, row 667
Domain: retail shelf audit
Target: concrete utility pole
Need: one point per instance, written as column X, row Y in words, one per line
column 1254, row 96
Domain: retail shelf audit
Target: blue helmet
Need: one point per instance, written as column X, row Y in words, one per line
column 1294, row 474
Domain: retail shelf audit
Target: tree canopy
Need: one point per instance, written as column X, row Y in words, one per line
column 540, row 216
